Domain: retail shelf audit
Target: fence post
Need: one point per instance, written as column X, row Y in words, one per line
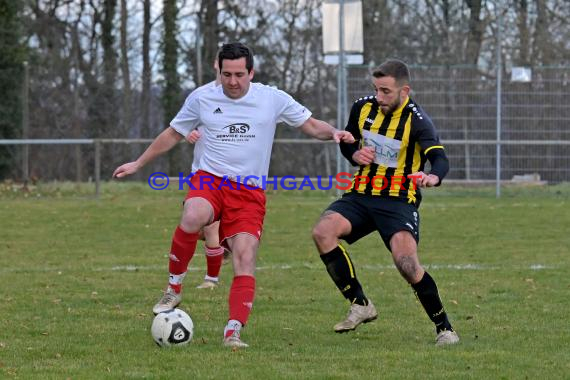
column 97, row 167
column 499, row 93
column 25, row 124
column 467, row 151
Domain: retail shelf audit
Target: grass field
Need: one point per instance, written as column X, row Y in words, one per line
column 79, row 276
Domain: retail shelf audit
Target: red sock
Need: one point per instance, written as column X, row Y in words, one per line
column 181, row 252
column 214, row 257
column 241, row 297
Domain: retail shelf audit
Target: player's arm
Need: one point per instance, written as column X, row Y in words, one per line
column 193, row 136
column 427, row 137
column 322, row 130
column 350, row 150
column 161, row 144
column 439, row 168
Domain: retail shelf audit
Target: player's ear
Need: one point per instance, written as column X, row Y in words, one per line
column 251, row 74
column 405, row 91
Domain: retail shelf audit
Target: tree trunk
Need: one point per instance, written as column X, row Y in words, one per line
column 210, row 31
column 541, row 44
column 475, row 36
column 127, row 111
column 11, row 80
column 171, row 93
column 107, row 109
column 146, row 74
column 522, row 24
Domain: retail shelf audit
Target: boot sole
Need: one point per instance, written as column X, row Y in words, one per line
column 354, row 328
column 164, row 311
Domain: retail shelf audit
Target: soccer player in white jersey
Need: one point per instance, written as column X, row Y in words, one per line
column 214, row 252
column 238, row 121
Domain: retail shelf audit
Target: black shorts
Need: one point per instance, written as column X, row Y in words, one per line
column 367, row 213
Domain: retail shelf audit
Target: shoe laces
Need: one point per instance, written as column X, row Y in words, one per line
column 355, row 310
column 168, row 297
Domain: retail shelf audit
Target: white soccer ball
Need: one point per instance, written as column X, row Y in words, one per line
column 172, row 328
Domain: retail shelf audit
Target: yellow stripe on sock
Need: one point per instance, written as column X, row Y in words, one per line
column 347, row 260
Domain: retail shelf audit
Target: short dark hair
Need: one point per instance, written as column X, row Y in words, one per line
column 393, row 68
column 236, row 50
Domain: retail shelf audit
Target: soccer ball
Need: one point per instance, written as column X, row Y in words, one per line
column 172, row 328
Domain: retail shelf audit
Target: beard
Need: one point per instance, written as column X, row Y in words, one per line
column 386, row 109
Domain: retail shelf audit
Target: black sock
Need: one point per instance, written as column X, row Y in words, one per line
column 426, row 291
column 342, row 272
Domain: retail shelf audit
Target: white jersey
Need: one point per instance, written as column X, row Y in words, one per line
column 238, row 134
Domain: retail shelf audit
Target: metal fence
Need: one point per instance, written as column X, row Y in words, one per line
column 462, row 102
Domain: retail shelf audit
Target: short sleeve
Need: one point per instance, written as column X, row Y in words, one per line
column 289, row 111
column 188, row 118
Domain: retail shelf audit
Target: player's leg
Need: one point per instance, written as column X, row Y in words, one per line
column 196, row 214
column 404, row 252
column 214, row 256
column 326, row 233
column 241, row 226
column 227, row 256
column 331, row 226
column 242, row 291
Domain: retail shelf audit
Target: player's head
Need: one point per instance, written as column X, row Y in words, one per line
column 235, row 61
column 392, row 84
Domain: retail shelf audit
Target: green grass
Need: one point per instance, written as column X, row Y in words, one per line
column 79, row 275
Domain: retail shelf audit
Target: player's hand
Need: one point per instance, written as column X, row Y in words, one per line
column 364, row 156
column 193, row 136
column 421, row 179
column 126, row 169
column 343, row 136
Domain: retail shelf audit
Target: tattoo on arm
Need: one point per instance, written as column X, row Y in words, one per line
column 327, row 213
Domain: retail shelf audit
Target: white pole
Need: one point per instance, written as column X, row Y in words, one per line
column 340, row 84
column 343, row 70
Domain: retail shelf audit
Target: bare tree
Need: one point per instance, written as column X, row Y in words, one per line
column 146, row 73
column 171, row 92
column 523, row 32
column 125, row 71
column 11, row 79
column 475, row 35
column 108, row 93
column 210, row 30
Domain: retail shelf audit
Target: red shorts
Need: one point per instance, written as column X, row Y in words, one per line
column 239, row 209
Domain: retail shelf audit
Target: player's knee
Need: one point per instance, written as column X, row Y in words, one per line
column 321, row 234
column 403, row 242
column 191, row 223
column 244, row 262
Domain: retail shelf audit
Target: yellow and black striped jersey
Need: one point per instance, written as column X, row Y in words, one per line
column 401, row 140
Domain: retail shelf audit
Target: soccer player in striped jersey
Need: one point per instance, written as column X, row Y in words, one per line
column 394, row 137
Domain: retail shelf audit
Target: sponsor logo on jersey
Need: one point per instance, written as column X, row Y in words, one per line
column 236, row 132
column 218, row 110
column 237, row 128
